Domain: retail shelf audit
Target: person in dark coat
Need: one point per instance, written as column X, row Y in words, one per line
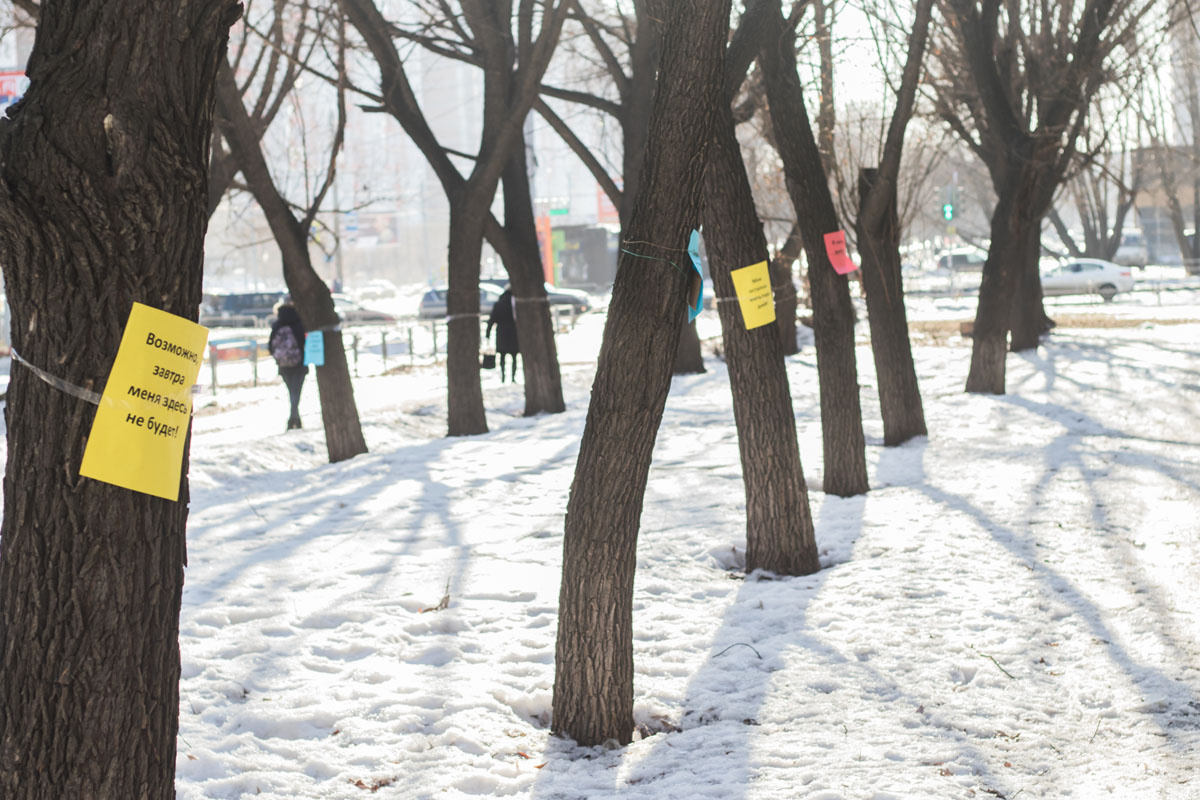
column 504, row 317
column 282, row 348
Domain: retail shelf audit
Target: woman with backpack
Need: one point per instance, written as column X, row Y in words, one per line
column 287, row 346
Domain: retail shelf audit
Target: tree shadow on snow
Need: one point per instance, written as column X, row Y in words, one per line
column 767, row 682
column 336, row 520
column 1080, row 450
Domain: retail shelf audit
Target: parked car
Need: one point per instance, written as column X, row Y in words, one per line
column 578, row 299
column 239, row 309
column 351, row 313
column 376, row 289
column 1132, row 251
column 1087, row 276
column 963, row 259
column 433, row 302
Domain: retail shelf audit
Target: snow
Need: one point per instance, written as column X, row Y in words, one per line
column 1011, row 611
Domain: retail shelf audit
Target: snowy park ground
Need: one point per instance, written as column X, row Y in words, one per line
column 1012, row 611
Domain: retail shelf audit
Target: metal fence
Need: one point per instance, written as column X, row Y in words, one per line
column 370, row 350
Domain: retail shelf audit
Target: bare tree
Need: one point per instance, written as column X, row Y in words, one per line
column 593, row 681
column 104, row 203
column 833, row 314
column 289, row 222
column 861, row 128
column 513, row 54
column 1015, row 81
column 1100, row 190
column 516, row 240
column 625, row 45
column 779, row 526
column 878, row 234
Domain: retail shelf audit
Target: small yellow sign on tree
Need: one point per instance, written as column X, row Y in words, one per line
column 753, row 287
column 137, row 437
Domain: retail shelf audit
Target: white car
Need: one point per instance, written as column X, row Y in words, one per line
column 1087, row 276
column 962, row 259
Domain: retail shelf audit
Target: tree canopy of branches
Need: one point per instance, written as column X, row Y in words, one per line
column 1102, row 194
column 513, row 54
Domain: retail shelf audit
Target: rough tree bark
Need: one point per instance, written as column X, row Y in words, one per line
column 779, row 525
column 833, row 314
column 593, row 681
column 339, row 412
column 104, row 203
column 823, row 13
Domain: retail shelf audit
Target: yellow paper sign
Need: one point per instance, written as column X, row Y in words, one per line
column 138, row 435
column 753, row 287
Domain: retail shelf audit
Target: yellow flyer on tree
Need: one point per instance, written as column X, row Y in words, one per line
column 753, row 287
column 138, row 435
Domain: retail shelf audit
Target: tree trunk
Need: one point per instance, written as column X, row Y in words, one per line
column 104, row 203
column 688, row 358
column 1024, row 189
column 785, row 290
column 1029, row 320
column 879, row 249
column 464, row 395
column 593, row 681
column 833, row 312
column 996, row 289
column 779, row 526
column 339, row 411
column 535, row 329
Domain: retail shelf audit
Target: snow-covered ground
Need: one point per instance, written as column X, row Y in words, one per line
column 1012, row 611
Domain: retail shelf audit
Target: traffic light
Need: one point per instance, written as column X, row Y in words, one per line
column 947, row 211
